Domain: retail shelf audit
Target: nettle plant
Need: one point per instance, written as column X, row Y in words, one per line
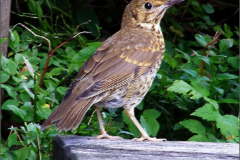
column 208, row 83
column 31, row 97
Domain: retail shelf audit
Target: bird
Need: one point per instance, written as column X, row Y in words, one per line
column 120, row 72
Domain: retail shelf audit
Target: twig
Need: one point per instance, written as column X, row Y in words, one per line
column 8, row 136
column 225, row 4
column 49, row 43
column 204, row 51
column 19, row 138
column 91, row 117
column 39, row 148
column 224, row 19
column 50, row 54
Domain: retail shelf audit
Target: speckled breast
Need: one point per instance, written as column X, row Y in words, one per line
column 130, row 95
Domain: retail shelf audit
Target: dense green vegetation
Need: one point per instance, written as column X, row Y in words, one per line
column 195, row 95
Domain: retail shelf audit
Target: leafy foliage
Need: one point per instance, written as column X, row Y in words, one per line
column 195, row 94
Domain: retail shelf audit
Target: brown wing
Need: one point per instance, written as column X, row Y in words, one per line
column 119, row 60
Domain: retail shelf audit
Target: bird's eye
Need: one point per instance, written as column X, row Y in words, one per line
column 148, row 6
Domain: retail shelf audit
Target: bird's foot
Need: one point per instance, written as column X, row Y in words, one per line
column 142, row 138
column 105, row 135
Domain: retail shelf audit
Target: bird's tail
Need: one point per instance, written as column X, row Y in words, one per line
column 68, row 116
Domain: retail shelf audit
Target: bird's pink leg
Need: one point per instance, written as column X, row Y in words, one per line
column 144, row 135
column 102, row 129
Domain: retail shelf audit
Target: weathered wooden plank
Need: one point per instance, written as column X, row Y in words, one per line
column 77, row 147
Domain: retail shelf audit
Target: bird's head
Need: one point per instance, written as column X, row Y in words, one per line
column 146, row 13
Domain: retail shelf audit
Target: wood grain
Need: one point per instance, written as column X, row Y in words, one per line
column 78, row 147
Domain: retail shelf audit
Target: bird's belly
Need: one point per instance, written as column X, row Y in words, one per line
column 113, row 98
column 129, row 95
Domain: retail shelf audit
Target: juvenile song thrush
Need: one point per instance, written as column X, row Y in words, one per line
column 120, row 71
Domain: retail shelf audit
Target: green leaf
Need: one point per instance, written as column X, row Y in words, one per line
column 126, row 119
column 195, row 94
column 132, row 128
column 8, row 65
column 218, row 59
column 223, row 68
column 22, row 154
column 96, row 44
column 140, row 106
column 2, row 40
column 208, row 8
column 14, row 37
column 207, row 19
column 25, row 97
column 207, row 112
column 44, row 60
column 32, row 127
column 204, row 58
column 212, row 102
column 4, row 76
column 56, row 71
column 225, row 44
column 28, row 91
column 17, row 79
column 18, row 58
column 234, row 61
column 151, row 113
column 16, row 110
column 10, row 90
column 146, row 126
column 229, row 125
column 51, row 85
column 149, row 122
column 170, row 60
column 225, row 76
column 177, row 126
column 191, row 72
column 62, row 90
column 73, row 67
column 228, row 31
column 13, row 140
column 39, row 11
column 233, row 101
column 10, row 102
column 200, row 85
column 85, row 53
column 32, row 6
column 180, row 86
column 23, row 46
column 185, row 55
column 29, row 113
column 212, row 138
column 202, row 40
column 4, row 149
column 70, row 52
column 220, row 90
column 199, row 138
column 43, row 112
column 194, row 126
column 34, row 60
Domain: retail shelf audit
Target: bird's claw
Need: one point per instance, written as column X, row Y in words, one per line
column 149, row 139
column 105, row 135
